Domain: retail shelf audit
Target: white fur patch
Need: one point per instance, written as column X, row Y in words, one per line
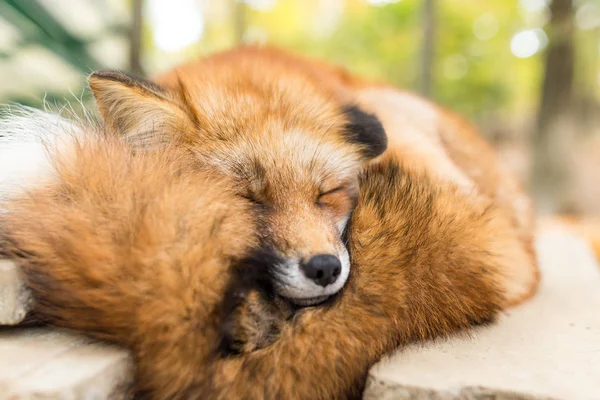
column 341, row 224
column 27, row 138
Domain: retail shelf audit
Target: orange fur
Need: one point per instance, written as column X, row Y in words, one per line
column 428, row 138
column 134, row 249
column 129, row 252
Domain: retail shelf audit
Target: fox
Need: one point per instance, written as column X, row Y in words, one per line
column 295, row 134
column 158, row 253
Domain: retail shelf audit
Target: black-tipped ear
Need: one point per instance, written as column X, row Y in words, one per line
column 365, row 130
column 127, row 80
column 141, row 112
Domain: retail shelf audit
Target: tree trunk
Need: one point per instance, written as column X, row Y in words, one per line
column 428, row 47
column 554, row 137
column 135, row 37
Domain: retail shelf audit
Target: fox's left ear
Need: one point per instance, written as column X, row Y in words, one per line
column 140, row 111
column 365, row 130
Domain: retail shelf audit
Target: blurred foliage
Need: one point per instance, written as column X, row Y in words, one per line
column 41, row 27
column 474, row 70
column 476, row 76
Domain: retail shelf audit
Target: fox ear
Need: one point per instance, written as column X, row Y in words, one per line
column 365, row 130
column 143, row 113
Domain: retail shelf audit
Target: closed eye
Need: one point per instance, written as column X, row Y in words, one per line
column 337, row 189
column 330, row 192
column 251, row 199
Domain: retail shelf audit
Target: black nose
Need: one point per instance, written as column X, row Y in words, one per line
column 323, row 269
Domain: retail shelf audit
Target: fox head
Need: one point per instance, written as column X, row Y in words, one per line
column 293, row 148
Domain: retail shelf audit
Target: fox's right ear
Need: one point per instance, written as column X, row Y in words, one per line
column 142, row 112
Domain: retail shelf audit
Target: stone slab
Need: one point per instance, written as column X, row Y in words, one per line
column 24, row 141
column 50, row 364
column 15, row 300
column 547, row 348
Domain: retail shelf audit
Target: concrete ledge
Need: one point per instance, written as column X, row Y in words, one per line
column 15, row 300
column 382, row 390
column 546, row 348
column 44, row 363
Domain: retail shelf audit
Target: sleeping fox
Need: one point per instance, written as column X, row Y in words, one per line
column 294, row 134
column 158, row 253
column 313, row 163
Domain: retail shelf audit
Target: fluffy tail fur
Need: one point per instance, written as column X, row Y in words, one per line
column 136, row 249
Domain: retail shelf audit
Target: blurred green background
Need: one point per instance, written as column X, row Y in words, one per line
column 526, row 71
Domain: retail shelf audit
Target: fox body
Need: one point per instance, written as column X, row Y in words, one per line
column 294, row 135
column 195, row 249
column 149, row 251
